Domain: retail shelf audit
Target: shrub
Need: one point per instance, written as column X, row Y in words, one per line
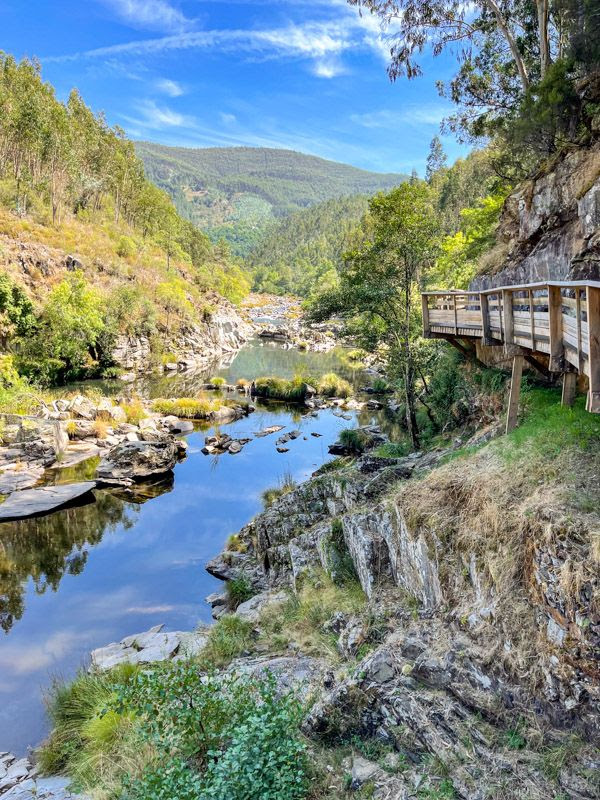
column 354, row 440
column 101, row 427
column 380, row 386
column 135, row 411
column 187, row 407
column 126, row 247
column 331, row 385
column 242, row 383
column 238, row 591
column 281, row 389
column 218, row 381
column 235, row 543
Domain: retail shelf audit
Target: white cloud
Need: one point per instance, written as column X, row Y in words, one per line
column 150, row 14
column 228, row 119
column 386, row 118
column 172, row 88
column 155, row 117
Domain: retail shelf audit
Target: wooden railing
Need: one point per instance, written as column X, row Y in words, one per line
column 560, row 319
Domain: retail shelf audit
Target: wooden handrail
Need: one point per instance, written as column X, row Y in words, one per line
column 544, row 319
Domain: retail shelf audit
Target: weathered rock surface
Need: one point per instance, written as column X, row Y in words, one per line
column 19, row 780
column 152, row 645
column 33, row 502
column 550, row 226
column 131, row 461
column 301, row 674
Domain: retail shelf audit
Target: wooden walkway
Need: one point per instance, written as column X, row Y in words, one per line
column 558, row 320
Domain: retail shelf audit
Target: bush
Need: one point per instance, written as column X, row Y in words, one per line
column 238, row 591
column 281, row 389
column 331, row 385
column 380, row 386
column 218, row 381
column 354, row 440
column 126, row 247
column 187, row 407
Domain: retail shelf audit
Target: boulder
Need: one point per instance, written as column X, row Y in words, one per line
column 251, row 610
column 150, row 646
column 33, row 502
column 82, row 407
column 137, row 460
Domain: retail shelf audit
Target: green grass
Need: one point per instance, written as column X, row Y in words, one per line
column 187, row 407
column 354, row 440
column 331, row 385
column 274, row 388
column 238, row 591
column 286, row 485
column 392, row 450
column 228, row 638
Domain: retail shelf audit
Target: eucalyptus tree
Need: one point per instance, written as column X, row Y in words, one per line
column 378, row 291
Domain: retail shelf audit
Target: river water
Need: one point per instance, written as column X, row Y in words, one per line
column 83, row 577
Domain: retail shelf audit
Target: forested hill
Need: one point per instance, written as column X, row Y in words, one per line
column 304, row 249
column 235, row 192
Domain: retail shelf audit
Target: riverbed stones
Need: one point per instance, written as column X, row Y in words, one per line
column 131, row 461
column 267, row 431
column 34, row 502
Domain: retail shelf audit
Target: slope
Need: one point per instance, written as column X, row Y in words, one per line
column 234, row 192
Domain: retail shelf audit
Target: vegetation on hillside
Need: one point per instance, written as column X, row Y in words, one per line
column 304, row 249
column 234, row 193
column 69, row 180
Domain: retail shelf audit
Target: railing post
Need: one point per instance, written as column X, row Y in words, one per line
column 532, row 319
column 485, row 319
column 507, row 313
column 557, row 348
column 455, row 315
column 593, row 320
column 515, row 390
column 425, row 308
column 569, row 388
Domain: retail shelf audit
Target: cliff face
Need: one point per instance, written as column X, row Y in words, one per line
column 488, row 587
column 550, row 226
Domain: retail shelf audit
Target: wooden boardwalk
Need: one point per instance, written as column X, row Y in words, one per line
column 558, row 320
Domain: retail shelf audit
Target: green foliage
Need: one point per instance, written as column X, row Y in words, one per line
column 392, row 450
column 135, row 411
column 16, row 309
column 68, row 329
column 354, row 440
column 286, row 484
column 304, row 249
column 172, row 780
column 273, row 388
column 126, row 247
column 187, row 407
column 239, row 590
column 218, row 381
column 331, row 385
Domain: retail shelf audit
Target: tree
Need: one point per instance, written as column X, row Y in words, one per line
column 378, row 292
column 436, row 160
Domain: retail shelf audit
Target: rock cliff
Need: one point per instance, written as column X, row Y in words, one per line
column 550, row 226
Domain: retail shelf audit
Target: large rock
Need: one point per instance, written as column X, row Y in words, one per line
column 33, row 502
column 131, row 461
column 148, row 647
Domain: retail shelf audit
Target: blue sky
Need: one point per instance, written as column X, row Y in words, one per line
column 307, row 75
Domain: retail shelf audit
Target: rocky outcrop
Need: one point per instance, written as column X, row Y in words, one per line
column 193, row 345
column 35, row 502
column 148, row 647
column 550, row 226
column 20, row 780
column 134, row 461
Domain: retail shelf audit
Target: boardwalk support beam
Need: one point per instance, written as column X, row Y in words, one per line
column 569, row 388
column 557, row 350
column 593, row 318
column 515, row 391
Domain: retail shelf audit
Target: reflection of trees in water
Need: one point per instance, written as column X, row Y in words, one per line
column 47, row 548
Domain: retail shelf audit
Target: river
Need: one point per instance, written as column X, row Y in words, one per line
column 83, row 577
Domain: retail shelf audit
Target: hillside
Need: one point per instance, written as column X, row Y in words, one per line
column 235, row 192
column 305, row 247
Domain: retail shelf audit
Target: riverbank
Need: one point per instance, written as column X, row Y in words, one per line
column 375, row 594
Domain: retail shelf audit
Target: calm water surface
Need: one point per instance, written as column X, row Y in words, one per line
column 84, row 577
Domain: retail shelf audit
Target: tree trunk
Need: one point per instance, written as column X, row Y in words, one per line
column 543, row 12
column 508, row 35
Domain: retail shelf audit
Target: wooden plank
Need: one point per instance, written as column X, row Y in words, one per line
column 515, row 390
column 593, row 304
column 507, row 317
column 531, row 320
column 556, row 339
column 578, row 316
column 455, row 317
column 569, row 388
column 485, row 319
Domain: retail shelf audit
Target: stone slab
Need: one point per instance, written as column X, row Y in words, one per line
column 34, row 502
